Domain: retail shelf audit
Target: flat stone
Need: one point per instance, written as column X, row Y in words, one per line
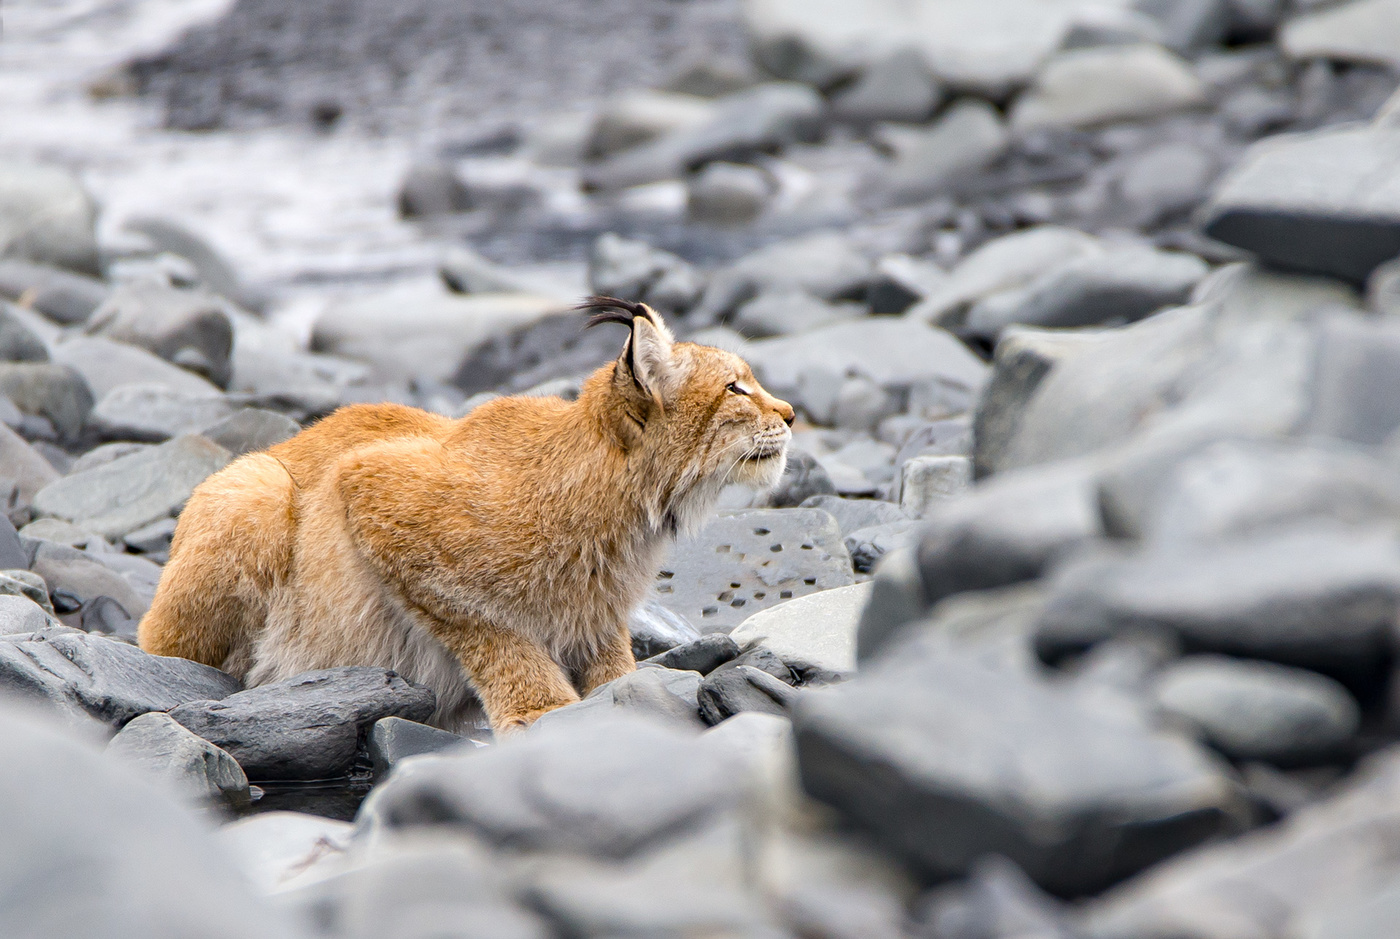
column 854, row 514
column 276, row 849
column 976, row 760
column 737, row 689
column 190, row 328
column 728, row 193
column 21, row 616
column 392, row 739
column 1365, row 31
column 106, row 364
column 899, row 88
column 135, row 490
column 155, row 412
column 655, row 693
column 25, row 465
column 965, row 140
column 786, row 311
column 104, row 679
column 62, row 296
column 308, row 727
column 770, row 554
column 637, row 117
column 1320, row 597
column 159, row 747
column 1355, row 380
column 56, row 393
column 1086, row 87
column 75, row 578
column 46, row 216
column 702, row 655
column 250, row 429
column 823, row 264
column 1258, row 710
column 818, row 629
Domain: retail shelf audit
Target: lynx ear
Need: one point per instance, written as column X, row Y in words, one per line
column 646, row 358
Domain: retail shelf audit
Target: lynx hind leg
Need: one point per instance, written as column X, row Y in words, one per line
column 612, row 661
column 232, row 548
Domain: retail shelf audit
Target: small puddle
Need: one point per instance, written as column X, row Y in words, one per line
column 330, row 798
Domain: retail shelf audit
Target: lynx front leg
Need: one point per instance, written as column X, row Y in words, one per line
column 516, row 679
column 613, row 660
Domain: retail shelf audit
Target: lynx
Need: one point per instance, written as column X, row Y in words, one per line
column 496, row 557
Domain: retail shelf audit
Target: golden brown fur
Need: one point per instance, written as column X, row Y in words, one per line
column 507, row 547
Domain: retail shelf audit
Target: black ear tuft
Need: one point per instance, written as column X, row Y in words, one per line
column 613, row 310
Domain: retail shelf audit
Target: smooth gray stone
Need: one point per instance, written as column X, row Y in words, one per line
column 158, row 746
column 610, row 787
column 803, row 479
column 899, row 88
column 154, row 538
column 74, row 577
column 1324, row 202
column 189, row 328
column 18, row 343
column 17, row 582
column 214, row 271
column 62, row 296
column 926, row 483
column 976, row 760
column 896, row 599
column 21, row 616
column 824, row 264
column 1258, row 710
column 46, row 216
column 855, row 514
column 107, row 680
column 250, row 429
column 26, row 466
column 967, row 138
column 1088, row 87
column 702, row 655
column 65, row 807
column 1187, row 25
column 106, row 363
column 1357, row 386
column 307, row 727
column 733, row 689
column 655, row 629
column 996, row 899
column 868, row 545
column 13, row 554
column 51, row 391
column 771, row 554
column 133, row 491
column 431, row 189
column 155, row 412
column 788, row 310
column 728, row 193
column 391, row 739
column 1279, row 879
column 554, row 347
column 663, row 693
column 625, row 267
column 1320, row 597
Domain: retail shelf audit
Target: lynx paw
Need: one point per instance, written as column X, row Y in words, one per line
column 513, row 724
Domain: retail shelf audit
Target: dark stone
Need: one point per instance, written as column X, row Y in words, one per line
column 54, row 392
column 104, row 679
column 12, row 554
column 251, row 429
column 802, row 478
column 60, row 295
column 308, row 727
column 703, row 655
column 432, row 189
column 868, row 545
column 655, row 629
column 553, row 347
column 765, row 660
column 102, row 614
column 391, row 739
column 18, row 342
column 728, row 691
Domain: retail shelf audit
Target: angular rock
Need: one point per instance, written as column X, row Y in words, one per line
column 56, row 393
column 1258, row 710
column 742, row 688
column 868, row 545
column 27, row 468
column 106, row 364
column 392, row 739
column 803, row 478
column 1085, row 87
column 250, row 429
column 1365, row 31
column 818, row 629
column 1355, row 380
column 664, row 694
column 21, row 615
column 1321, row 597
column 966, row 139
column 189, row 328
column 46, row 217
column 655, row 629
column 854, row 514
column 159, row 747
column 702, row 655
column 746, row 562
column 896, row 599
column 62, row 296
column 308, row 727
column 18, row 343
column 899, row 88
column 1323, row 203
column 104, row 679
column 928, row 481
column 609, row 787
column 1079, row 796
column 66, row 808
column 155, row 412
column 133, row 491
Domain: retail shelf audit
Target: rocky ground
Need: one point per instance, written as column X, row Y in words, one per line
column 1075, row 616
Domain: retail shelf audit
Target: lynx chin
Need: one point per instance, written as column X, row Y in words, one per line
column 496, row 557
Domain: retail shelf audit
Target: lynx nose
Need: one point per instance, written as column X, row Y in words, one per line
column 785, row 411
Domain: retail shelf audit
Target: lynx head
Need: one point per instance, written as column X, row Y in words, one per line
column 693, row 415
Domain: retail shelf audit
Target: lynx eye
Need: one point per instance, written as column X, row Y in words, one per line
column 735, row 388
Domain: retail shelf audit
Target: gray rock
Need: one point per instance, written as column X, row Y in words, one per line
column 54, row 392
column 657, row 693
column 159, row 747
column 637, row 117
column 155, row 412
column 748, row 122
column 308, row 727
column 861, row 405
column 46, row 216
column 819, row 629
column 1022, row 359
column 1258, row 710
column 1320, row 597
column 803, row 478
column 76, row 577
column 1319, row 202
column 899, row 88
column 88, row 676
column 133, row 491
column 623, row 267
column 22, row 583
column 854, row 514
column 27, row 468
column 66, row 808
column 1166, row 181
column 901, row 281
column 656, row 629
column 868, row 545
column 1272, row 880
column 746, row 562
column 1356, row 380
column 728, row 193
column 788, row 310
column 62, row 296
column 1086, row 87
column 250, row 429
column 188, row 328
column 742, row 688
column 702, row 655
column 1117, row 286
column 1080, row 796
column 392, row 739
column 106, row 363
column 21, row 615
column 431, row 189
column 823, row 264
column 966, row 139
column 609, row 787
column 896, row 599
column 211, row 268
column 1008, row 529
column 1187, row 25
column 18, row 343
column 1366, row 32
column 928, row 481
column 154, row 538
column 996, row 899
